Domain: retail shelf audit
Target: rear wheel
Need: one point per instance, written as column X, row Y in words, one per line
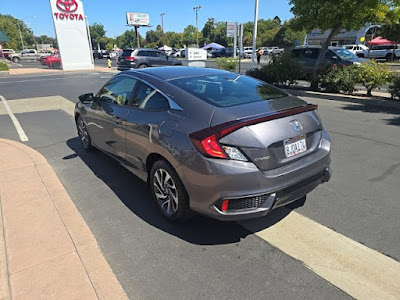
column 15, row 59
column 55, row 65
column 390, row 57
column 84, row 134
column 168, row 192
column 142, row 66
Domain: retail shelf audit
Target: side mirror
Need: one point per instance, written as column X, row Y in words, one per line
column 335, row 58
column 86, row 98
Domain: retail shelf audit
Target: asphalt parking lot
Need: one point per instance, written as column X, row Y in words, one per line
column 206, row 258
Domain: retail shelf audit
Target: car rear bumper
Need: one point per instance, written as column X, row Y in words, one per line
column 251, row 192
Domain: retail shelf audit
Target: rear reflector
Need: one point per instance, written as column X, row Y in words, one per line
column 225, row 205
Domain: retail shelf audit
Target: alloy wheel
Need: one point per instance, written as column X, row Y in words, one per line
column 165, row 191
column 83, row 134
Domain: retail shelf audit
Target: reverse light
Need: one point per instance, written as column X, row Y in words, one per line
column 234, row 153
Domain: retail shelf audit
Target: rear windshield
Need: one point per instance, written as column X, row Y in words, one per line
column 228, row 89
column 127, row 53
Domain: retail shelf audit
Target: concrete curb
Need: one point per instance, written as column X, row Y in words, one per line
column 24, row 172
column 376, row 101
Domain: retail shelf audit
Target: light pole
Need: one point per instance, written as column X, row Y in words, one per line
column 253, row 54
column 20, row 32
column 162, row 28
column 196, row 9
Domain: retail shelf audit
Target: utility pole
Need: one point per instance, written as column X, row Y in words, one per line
column 162, row 28
column 253, row 54
column 20, row 35
column 196, row 9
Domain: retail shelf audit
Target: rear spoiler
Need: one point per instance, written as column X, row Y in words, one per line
column 226, row 128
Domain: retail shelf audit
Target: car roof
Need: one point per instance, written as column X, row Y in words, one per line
column 175, row 72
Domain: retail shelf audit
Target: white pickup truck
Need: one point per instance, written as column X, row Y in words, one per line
column 273, row 50
column 27, row 54
column 381, row 52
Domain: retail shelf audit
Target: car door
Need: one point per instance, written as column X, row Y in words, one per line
column 107, row 120
column 148, row 111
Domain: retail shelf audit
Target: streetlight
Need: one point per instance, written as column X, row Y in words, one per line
column 20, row 32
column 162, row 28
column 196, row 9
column 253, row 54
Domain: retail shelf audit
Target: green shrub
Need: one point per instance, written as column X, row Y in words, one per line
column 3, row 66
column 227, row 63
column 394, row 88
column 372, row 75
column 282, row 70
column 339, row 78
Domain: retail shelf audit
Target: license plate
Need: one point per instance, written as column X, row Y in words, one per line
column 295, row 146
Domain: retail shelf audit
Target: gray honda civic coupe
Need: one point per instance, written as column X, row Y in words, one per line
column 218, row 143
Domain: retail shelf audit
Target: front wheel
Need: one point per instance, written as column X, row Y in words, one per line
column 84, row 134
column 15, row 59
column 142, row 66
column 168, row 192
column 55, row 65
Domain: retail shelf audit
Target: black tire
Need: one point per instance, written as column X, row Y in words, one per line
column 174, row 210
column 84, row 134
column 55, row 65
column 15, row 59
column 142, row 66
column 389, row 57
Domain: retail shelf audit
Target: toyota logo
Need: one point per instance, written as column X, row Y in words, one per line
column 296, row 125
column 67, row 5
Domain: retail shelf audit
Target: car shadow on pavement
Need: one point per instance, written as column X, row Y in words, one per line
column 199, row 230
column 395, row 112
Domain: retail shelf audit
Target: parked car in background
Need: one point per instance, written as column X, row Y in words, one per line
column 7, row 52
column 276, row 50
column 27, row 54
column 143, row 58
column 307, row 56
column 247, row 52
column 53, row 61
column 223, row 52
column 356, row 48
column 215, row 142
column 387, row 52
column 100, row 54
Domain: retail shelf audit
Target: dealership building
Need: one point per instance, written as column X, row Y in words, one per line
column 344, row 37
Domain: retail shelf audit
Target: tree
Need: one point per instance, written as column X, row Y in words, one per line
column 391, row 29
column 10, row 26
column 44, row 39
column 174, row 39
column 128, row 39
column 326, row 15
column 98, row 35
column 189, row 35
column 287, row 36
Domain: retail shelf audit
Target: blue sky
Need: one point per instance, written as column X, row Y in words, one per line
column 179, row 14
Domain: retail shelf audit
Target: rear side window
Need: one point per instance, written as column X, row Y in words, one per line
column 228, row 89
column 148, row 98
column 311, row 53
column 143, row 53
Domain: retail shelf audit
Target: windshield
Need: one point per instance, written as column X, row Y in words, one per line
column 228, row 89
column 345, row 54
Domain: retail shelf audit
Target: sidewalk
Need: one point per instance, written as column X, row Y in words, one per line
column 46, row 249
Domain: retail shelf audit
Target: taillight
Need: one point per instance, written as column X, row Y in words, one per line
column 209, row 146
column 130, row 58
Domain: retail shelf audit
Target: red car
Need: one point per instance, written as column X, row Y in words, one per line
column 53, row 61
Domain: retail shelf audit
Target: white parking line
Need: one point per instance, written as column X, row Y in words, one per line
column 17, row 125
column 354, row 268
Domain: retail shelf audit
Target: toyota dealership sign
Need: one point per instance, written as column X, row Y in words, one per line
column 72, row 34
